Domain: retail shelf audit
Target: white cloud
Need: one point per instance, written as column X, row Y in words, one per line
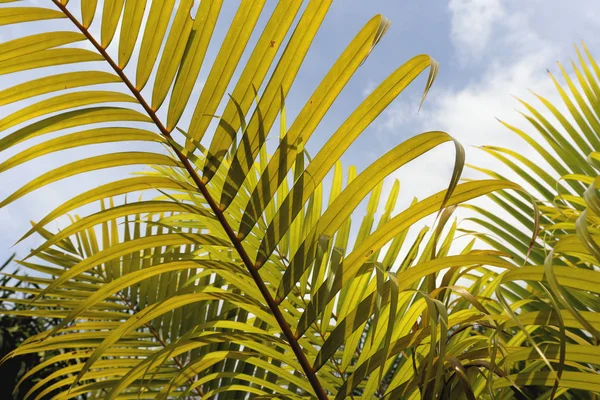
column 469, row 115
column 517, row 48
column 473, row 22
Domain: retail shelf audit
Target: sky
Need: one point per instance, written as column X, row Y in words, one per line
column 490, row 51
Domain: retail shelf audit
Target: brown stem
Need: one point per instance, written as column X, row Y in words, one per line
column 285, row 328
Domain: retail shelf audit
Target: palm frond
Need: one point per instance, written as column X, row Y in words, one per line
column 235, row 279
column 557, row 312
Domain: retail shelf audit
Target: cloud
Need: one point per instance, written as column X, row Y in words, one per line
column 469, row 115
column 517, row 48
column 469, row 112
column 473, row 22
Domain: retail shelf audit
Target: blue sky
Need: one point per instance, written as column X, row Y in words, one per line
column 489, row 51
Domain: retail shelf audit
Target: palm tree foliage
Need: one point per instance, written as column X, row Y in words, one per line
column 560, row 277
column 239, row 277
